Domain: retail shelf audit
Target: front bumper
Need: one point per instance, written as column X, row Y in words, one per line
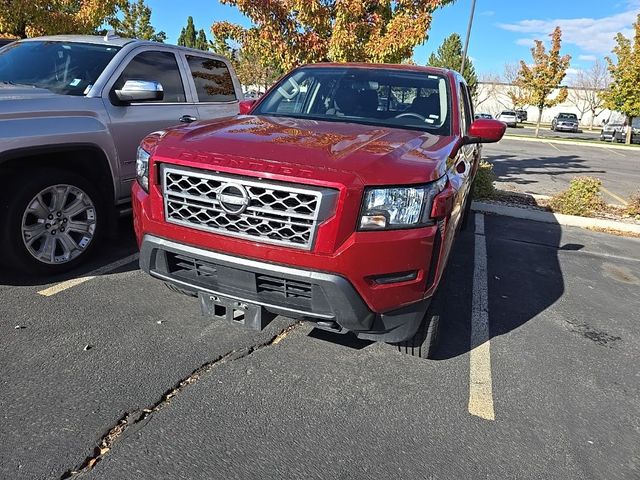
column 567, row 128
column 325, row 298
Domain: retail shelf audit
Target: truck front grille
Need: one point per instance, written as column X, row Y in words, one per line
column 249, row 208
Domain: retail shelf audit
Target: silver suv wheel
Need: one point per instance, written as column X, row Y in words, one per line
column 58, row 224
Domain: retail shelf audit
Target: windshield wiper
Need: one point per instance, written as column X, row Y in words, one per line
column 14, row 84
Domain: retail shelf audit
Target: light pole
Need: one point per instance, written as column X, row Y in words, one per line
column 466, row 42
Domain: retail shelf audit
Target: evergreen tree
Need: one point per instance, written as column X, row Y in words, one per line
column 136, row 22
column 188, row 37
column 201, row 42
column 449, row 55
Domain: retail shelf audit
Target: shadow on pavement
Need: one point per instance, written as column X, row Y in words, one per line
column 515, row 169
column 110, row 250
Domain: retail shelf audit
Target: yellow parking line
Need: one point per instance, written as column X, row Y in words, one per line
column 480, row 382
column 554, row 146
column 62, row 286
column 613, row 195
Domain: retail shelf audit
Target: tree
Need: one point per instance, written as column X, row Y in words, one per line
column 192, row 39
column 517, row 93
column 187, row 36
column 136, row 23
column 449, row 55
column 624, row 91
column 488, row 86
column 30, row 18
column 590, row 86
column 286, row 33
column 541, row 79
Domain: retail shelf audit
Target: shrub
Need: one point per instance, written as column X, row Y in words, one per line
column 581, row 198
column 633, row 208
column 483, row 183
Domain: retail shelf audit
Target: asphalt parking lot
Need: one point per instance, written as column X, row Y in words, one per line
column 546, row 168
column 530, row 130
column 536, row 375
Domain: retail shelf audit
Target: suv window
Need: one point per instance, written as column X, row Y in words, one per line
column 466, row 113
column 212, row 78
column 156, row 67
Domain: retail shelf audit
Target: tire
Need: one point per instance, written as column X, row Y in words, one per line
column 423, row 344
column 181, row 291
column 50, row 221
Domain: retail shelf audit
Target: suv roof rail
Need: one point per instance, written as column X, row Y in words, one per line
column 110, row 35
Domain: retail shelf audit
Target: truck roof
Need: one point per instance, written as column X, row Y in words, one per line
column 95, row 39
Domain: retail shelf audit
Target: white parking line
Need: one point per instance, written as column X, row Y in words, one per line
column 549, row 143
column 480, row 384
column 616, row 153
column 60, row 287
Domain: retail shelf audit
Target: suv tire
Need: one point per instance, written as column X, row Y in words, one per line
column 50, row 222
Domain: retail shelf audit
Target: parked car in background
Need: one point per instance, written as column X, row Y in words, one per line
column 509, row 117
column 483, row 115
column 522, row 115
column 73, row 110
column 565, row 122
column 318, row 203
column 620, row 133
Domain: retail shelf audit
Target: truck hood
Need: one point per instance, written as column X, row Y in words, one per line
column 24, row 102
column 346, row 153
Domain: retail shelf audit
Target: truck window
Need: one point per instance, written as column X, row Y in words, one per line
column 156, row 67
column 466, row 114
column 212, row 79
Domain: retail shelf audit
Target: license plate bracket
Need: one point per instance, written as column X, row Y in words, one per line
column 235, row 311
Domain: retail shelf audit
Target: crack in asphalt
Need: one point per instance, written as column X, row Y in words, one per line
column 129, row 419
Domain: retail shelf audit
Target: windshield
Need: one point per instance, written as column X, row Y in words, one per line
column 376, row 96
column 508, row 114
column 568, row 116
column 62, row 67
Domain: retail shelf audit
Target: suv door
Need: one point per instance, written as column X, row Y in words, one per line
column 215, row 87
column 130, row 123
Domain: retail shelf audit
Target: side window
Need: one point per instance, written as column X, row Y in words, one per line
column 466, row 110
column 212, row 78
column 156, row 67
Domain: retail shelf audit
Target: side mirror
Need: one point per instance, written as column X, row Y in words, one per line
column 484, row 130
column 246, row 106
column 140, row 91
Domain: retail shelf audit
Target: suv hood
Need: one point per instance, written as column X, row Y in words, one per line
column 22, row 92
column 336, row 152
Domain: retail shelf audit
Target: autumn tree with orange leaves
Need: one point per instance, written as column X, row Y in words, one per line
column 287, row 33
column 30, row 18
column 541, row 79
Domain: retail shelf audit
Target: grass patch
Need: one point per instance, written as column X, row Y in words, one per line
column 582, row 198
column 483, row 184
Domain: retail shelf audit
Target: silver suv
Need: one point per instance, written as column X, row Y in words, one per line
column 73, row 110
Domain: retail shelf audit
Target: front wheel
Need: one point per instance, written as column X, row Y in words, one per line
column 51, row 221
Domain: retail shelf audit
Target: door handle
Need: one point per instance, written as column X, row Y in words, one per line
column 187, row 119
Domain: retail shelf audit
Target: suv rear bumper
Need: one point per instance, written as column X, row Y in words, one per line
column 325, row 298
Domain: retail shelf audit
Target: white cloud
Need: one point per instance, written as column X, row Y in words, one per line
column 594, row 35
column 587, row 58
column 525, row 42
column 488, row 13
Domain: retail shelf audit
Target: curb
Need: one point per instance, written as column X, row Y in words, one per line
column 571, row 142
column 557, row 218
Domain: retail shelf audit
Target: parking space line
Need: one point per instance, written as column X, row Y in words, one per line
column 613, row 195
column 480, row 383
column 549, row 143
column 615, row 153
column 62, row 286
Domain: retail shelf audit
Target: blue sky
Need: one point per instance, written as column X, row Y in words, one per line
column 503, row 30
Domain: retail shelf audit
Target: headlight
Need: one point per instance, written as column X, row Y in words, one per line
column 142, row 168
column 399, row 207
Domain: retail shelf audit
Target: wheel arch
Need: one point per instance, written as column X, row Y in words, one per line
column 84, row 159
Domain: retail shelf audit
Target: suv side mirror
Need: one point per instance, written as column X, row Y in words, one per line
column 140, row 91
column 484, row 130
column 246, row 106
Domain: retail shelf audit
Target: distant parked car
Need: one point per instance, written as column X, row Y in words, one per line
column 522, row 115
column 509, row 117
column 620, row 132
column 609, row 129
column 483, row 115
column 565, row 122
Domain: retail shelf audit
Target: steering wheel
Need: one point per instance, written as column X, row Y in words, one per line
column 411, row 114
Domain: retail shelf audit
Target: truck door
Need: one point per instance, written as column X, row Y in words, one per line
column 131, row 122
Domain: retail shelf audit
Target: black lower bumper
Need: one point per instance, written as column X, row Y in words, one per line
column 330, row 300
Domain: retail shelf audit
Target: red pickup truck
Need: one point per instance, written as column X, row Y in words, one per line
column 335, row 198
